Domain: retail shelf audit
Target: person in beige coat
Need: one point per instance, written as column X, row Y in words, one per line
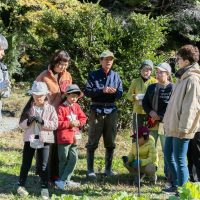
column 182, row 116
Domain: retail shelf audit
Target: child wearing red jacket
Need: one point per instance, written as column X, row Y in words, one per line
column 70, row 119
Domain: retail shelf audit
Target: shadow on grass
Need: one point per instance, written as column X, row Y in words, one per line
column 4, row 148
column 102, row 186
column 8, row 184
column 124, row 179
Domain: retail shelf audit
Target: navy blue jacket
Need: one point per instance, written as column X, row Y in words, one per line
column 97, row 81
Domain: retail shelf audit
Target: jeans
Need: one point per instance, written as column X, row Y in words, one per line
column 68, row 156
column 175, row 152
column 43, row 155
column 155, row 135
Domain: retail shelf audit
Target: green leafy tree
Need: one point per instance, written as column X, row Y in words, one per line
column 84, row 30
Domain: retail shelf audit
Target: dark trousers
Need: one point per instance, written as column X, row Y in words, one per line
column 53, row 162
column 193, row 156
column 102, row 124
column 43, row 156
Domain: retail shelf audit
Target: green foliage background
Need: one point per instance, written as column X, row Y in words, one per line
column 36, row 28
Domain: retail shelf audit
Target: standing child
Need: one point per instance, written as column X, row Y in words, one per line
column 70, row 119
column 148, row 157
column 38, row 120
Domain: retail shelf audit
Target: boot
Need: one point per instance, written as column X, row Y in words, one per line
column 108, row 163
column 90, row 164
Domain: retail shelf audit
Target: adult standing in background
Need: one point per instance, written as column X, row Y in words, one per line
column 137, row 90
column 4, row 78
column 182, row 117
column 57, row 79
column 155, row 103
column 104, row 87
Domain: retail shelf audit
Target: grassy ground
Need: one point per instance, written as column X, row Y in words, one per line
column 10, row 161
column 103, row 188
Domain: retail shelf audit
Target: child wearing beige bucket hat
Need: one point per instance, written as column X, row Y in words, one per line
column 38, row 120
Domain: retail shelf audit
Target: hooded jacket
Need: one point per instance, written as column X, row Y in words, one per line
column 182, row 116
column 147, row 153
column 138, row 86
column 66, row 114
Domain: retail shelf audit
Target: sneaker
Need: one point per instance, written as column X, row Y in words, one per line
column 22, row 191
column 171, row 190
column 91, row 175
column 110, row 173
column 72, row 184
column 45, row 194
column 60, row 184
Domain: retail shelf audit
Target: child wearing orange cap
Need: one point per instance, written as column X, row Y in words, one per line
column 148, row 157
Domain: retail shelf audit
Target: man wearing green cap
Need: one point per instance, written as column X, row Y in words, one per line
column 104, row 87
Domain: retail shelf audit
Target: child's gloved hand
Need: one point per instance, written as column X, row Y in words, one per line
column 39, row 120
column 125, row 159
column 30, row 120
column 135, row 163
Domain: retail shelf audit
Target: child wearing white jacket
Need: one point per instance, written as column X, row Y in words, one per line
column 38, row 120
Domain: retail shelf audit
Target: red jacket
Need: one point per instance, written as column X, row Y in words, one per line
column 65, row 133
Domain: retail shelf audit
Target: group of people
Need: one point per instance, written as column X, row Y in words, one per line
column 169, row 111
column 52, row 120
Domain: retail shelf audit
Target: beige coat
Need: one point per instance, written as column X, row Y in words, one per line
column 182, row 116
